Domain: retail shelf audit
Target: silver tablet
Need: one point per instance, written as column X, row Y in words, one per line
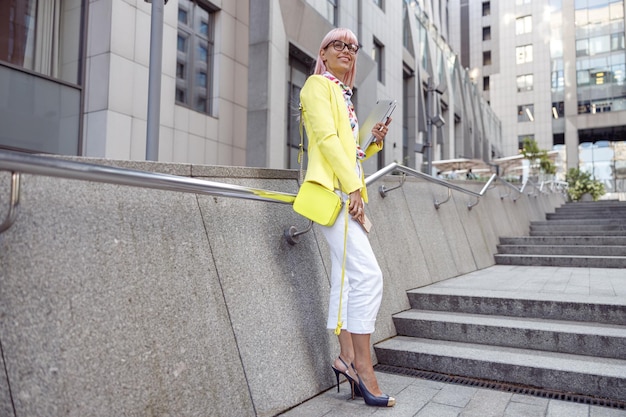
column 381, row 112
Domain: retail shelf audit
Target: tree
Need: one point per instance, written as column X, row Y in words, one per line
column 537, row 157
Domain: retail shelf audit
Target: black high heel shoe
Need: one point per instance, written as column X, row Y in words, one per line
column 370, row 399
column 354, row 388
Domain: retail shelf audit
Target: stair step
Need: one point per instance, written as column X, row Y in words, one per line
column 562, row 260
column 601, row 228
column 578, row 250
column 583, row 338
column 603, row 377
column 583, row 216
column 588, row 221
column 511, row 301
column 577, row 233
column 565, row 240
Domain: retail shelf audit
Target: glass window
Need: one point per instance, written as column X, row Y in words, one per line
column 557, row 80
column 194, row 59
column 378, row 57
column 487, row 33
column 42, row 37
column 201, row 79
column 600, row 77
column 582, row 47
column 327, row 8
column 617, row 41
column 520, row 140
column 486, row 57
column 182, row 16
column 407, row 39
column 523, row 54
column 581, row 17
column 203, row 53
column 524, row 83
column 525, row 113
column 598, row 15
column 558, row 110
column 181, row 44
column 616, row 10
column 486, row 8
column 485, row 83
column 599, row 44
column 523, row 25
column 204, row 28
column 582, row 77
column 619, row 73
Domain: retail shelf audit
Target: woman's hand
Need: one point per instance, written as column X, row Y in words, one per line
column 357, row 206
column 380, row 130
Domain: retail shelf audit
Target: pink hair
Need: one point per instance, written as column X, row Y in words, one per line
column 341, row 34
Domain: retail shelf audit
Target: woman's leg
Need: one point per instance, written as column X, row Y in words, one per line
column 346, row 347
column 363, row 362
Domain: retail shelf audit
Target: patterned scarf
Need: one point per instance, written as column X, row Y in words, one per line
column 354, row 123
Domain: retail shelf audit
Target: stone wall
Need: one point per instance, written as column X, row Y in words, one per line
column 127, row 301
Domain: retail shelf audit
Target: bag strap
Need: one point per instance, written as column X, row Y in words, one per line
column 301, row 146
column 343, row 270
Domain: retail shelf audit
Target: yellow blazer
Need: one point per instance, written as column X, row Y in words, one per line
column 332, row 149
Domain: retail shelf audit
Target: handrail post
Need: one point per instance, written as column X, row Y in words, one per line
column 292, row 234
column 14, row 202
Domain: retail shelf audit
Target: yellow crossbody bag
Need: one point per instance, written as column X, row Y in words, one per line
column 317, row 203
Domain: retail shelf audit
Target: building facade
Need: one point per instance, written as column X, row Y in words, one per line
column 404, row 56
column 553, row 71
column 74, row 79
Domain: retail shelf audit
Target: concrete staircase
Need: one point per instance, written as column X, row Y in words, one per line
column 571, row 346
column 582, row 234
column 572, row 343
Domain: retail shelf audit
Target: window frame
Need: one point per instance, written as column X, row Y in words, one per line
column 378, row 56
column 525, row 113
column 487, row 58
column 486, row 33
column 523, row 25
column 190, row 62
column 523, row 80
column 525, row 51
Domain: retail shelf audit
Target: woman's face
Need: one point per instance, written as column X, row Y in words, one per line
column 339, row 57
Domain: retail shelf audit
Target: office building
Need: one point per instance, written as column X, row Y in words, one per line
column 553, row 71
column 74, row 79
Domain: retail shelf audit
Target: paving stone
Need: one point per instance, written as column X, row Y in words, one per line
column 596, row 411
column 566, row 409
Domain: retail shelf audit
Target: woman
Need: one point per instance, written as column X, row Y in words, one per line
column 335, row 162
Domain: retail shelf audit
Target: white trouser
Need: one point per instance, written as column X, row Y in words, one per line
column 363, row 282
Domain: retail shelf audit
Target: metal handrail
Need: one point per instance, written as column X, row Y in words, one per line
column 512, row 187
column 17, row 162
column 292, row 233
column 394, row 166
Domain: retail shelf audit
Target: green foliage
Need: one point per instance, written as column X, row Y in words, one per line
column 531, row 151
column 580, row 183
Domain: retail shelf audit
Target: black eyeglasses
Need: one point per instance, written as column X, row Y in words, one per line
column 341, row 45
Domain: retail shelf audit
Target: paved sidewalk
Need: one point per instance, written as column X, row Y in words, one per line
column 417, row 397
